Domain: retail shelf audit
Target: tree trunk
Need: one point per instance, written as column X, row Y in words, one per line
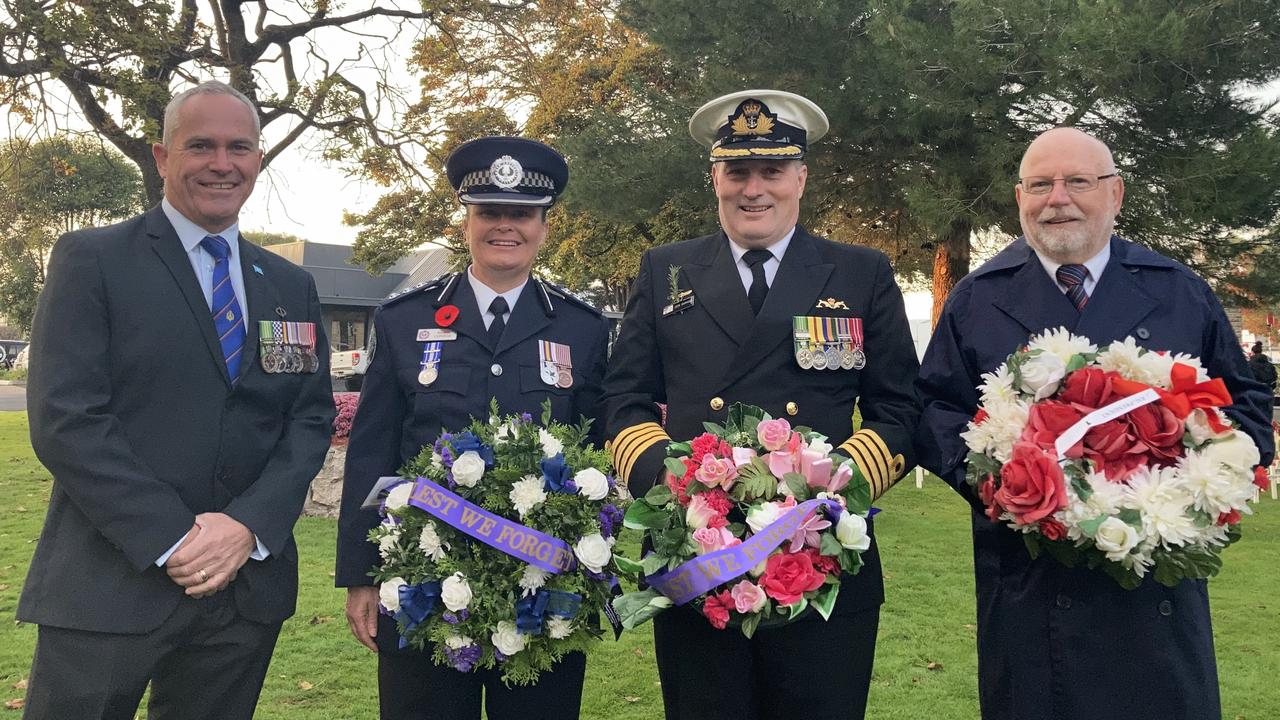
column 950, row 263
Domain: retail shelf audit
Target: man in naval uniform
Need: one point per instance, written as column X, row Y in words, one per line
column 443, row 351
column 1056, row 642
column 726, row 318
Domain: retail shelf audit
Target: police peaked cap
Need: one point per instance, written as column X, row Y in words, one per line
column 506, row 171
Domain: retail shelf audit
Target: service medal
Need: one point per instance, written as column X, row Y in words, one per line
column 431, row 351
column 847, row 358
column 819, row 361
column 859, row 359
column 804, row 358
column 833, row 358
column 564, row 378
column 548, row 372
column 428, row 375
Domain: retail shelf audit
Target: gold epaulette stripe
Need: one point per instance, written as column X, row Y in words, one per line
column 746, row 152
column 870, row 469
column 631, row 443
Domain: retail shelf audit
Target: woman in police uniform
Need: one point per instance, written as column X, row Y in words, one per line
column 443, row 351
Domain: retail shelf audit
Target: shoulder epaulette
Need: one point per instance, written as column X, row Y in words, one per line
column 434, row 284
column 553, row 293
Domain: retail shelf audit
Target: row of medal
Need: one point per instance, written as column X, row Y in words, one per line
column 555, row 365
column 287, row 347
column 828, row 343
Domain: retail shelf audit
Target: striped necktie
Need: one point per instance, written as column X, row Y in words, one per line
column 227, row 318
column 1072, row 278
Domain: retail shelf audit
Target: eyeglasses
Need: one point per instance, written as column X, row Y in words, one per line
column 1038, row 185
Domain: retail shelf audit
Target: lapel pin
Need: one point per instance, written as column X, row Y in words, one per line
column 280, row 311
column 832, row 304
column 258, row 270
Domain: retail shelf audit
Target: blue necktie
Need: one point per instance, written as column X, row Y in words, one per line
column 1072, row 278
column 227, row 318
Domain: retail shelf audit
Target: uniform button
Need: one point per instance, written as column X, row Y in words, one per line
column 1143, row 333
column 496, row 369
column 717, row 403
column 792, row 408
column 1064, row 602
column 1166, row 608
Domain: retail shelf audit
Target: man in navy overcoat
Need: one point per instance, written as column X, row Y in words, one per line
column 1057, row 643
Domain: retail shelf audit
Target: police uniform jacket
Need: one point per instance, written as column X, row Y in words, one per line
column 398, row 415
column 1056, row 643
column 135, row 416
column 702, row 359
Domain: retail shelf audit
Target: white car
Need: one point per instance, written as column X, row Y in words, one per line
column 351, row 365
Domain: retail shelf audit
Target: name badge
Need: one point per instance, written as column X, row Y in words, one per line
column 436, row 335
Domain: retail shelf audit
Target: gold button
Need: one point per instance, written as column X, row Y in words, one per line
column 717, row 403
column 792, row 408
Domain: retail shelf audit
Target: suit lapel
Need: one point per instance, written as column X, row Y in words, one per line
column 1033, row 300
column 800, row 280
column 718, row 288
column 167, row 245
column 526, row 318
column 470, row 320
column 1118, row 303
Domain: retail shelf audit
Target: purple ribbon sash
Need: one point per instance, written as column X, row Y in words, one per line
column 699, row 575
column 512, row 538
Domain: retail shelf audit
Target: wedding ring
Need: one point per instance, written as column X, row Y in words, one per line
column 204, row 576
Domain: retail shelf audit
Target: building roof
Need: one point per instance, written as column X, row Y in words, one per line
column 340, row 283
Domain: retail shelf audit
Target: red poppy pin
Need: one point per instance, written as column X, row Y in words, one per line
column 446, row 315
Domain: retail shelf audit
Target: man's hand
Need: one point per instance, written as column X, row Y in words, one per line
column 211, row 555
column 362, row 614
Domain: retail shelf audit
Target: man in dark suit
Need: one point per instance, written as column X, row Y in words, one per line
column 180, row 458
column 443, row 352
column 1055, row 642
column 723, row 319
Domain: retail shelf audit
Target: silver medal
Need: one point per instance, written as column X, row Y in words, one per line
column 833, row 358
column 859, row 359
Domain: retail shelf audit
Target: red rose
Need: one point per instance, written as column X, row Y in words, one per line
column 1260, row 478
column 1159, row 430
column 1051, row 529
column 716, row 609
column 1111, row 447
column 826, row 564
column 1088, row 387
column 1229, row 518
column 1047, row 421
column 788, row 576
column 1031, row 484
column 987, row 494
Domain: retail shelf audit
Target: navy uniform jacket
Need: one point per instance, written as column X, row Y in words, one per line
column 703, row 359
column 135, row 416
column 1056, row 643
column 398, row 415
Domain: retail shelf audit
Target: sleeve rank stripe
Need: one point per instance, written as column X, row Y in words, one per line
column 859, row 456
column 893, row 463
column 627, row 460
column 884, row 478
column 632, row 442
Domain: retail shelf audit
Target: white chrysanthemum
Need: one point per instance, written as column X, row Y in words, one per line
column 457, row 642
column 1125, row 357
column 1106, row 499
column 550, row 445
column 559, row 628
column 526, row 494
column 388, row 543
column 503, row 434
column 1139, row 560
column 997, row 387
column 1157, row 494
column 429, row 543
column 1061, row 344
column 1042, row 375
column 533, row 578
column 1212, row 485
column 1157, row 365
column 1216, row 535
column 1004, row 425
column 437, row 461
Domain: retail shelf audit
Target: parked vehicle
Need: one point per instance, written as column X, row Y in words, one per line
column 350, row 365
column 9, row 350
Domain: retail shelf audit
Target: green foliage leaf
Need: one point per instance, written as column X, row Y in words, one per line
column 825, row 600
column 637, row 608
column 750, row 623
column 675, row 467
column 658, row 495
column 644, row 516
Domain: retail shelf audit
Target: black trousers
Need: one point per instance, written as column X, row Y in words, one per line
column 204, row 662
column 412, row 687
column 808, row 669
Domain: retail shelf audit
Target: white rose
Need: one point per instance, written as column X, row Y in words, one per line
column 550, row 445
column 468, row 469
column 399, row 496
column 593, row 551
column 763, row 515
column 1042, row 374
column 851, row 531
column 1236, row 451
column 526, row 494
column 455, row 593
column 558, row 628
column 592, row 484
column 429, row 543
column 389, row 594
column 1115, row 538
column 507, row 639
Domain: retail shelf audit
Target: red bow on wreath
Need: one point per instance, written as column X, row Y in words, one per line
column 1185, row 394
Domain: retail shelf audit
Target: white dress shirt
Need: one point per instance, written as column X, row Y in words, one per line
column 485, row 295
column 1093, row 266
column 777, row 250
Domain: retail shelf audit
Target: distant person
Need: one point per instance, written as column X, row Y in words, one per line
column 1262, row 369
column 181, row 439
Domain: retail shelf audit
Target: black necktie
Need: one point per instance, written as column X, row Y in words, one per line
column 1072, row 277
column 759, row 286
column 499, row 308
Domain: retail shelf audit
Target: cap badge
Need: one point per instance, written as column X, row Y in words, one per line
column 506, row 172
column 752, row 119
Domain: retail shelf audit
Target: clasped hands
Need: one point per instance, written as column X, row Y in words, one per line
column 210, row 555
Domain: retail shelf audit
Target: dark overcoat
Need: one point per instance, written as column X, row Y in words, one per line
column 1057, row 643
column 135, row 416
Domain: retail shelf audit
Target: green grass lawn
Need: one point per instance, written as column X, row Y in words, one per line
column 925, row 663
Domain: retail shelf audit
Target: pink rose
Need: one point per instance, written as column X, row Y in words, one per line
column 780, row 463
column 773, row 434
column 1047, row 421
column 699, row 514
column 742, row 456
column 840, row 479
column 748, row 597
column 1031, row 485
column 711, row 539
column 716, row 472
column 716, row 609
column 788, row 576
column 816, row 468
